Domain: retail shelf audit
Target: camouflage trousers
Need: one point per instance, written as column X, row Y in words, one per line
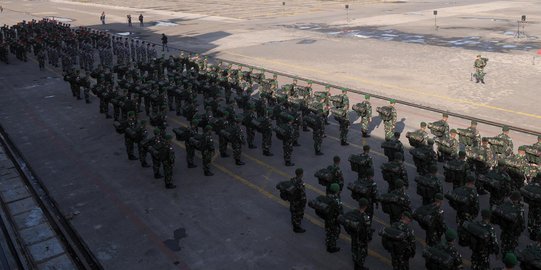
column 297, row 212
column 296, row 133
column 364, row 124
column 389, row 129
column 207, row 159
column 288, row 150
column 222, row 145
column 480, row 260
column 168, row 172
column 250, row 136
column 86, row 92
column 509, row 242
column 237, row 150
column 344, row 129
column 359, row 251
column 433, row 236
column 156, row 164
column 318, row 140
column 116, row 112
column 332, row 232
column 266, row 141
column 534, row 221
column 129, row 146
column 142, row 150
column 479, row 74
column 400, row 261
column 190, row 153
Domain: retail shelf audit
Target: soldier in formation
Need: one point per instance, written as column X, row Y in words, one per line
column 297, row 202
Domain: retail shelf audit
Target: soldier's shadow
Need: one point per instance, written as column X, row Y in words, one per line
column 376, row 121
column 401, row 125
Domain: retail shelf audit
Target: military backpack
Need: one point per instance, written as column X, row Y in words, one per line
column 391, row 171
column 360, row 162
column 532, row 193
column 416, row 138
column 507, row 215
column 322, row 205
column 361, row 109
column 437, row 128
column 459, row 198
column 324, row 176
column 438, row 258
column 353, row 221
column 455, row 171
column 474, row 235
column 466, row 136
column 287, row 190
column 385, row 113
column 394, row 240
column 361, row 189
column 426, row 215
column 427, row 186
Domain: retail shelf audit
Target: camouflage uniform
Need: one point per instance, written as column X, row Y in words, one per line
column 390, row 125
column 509, row 236
column 434, row 232
column 359, row 240
column 534, row 219
column 365, row 120
column 480, row 255
column 479, row 65
column 129, row 142
column 472, row 210
column 344, row 129
column 156, row 161
column 450, row 249
column 287, row 144
column 168, row 163
column 508, row 147
column 317, row 133
column 338, row 177
column 250, row 131
column 400, row 260
column 236, row 144
column 208, row 151
column 297, row 202
column 332, row 227
column 266, row 135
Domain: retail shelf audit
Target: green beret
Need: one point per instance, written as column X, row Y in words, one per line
column 309, row 82
column 486, row 213
column 522, row 148
column 327, row 86
column 366, row 96
column 538, row 137
column 344, row 89
column 168, row 137
column 157, row 131
column 366, row 147
column 407, row 214
column 453, row 131
column 299, row 171
column 445, row 115
column 423, row 124
column 392, row 101
column 336, row 158
column 461, row 153
column 226, row 113
column 363, row 202
column 470, row 177
column 290, row 118
column 430, row 141
column 516, row 196
column 208, row 127
column 143, row 122
column 334, row 188
column 438, row 196
column 505, row 128
column 131, row 114
column 510, row 260
column 450, row 235
column 473, row 123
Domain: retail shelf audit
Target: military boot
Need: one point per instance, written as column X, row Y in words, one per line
column 319, row 153
column 268, row 154
column 239, row 162
column 298, row 229
column 170, row 186
column 191, row 165
column 483, row 81
column 144, row 164
column 251, row 146
column 289, row 164
column 366, row 135
column 333, row 249
column 209, row 173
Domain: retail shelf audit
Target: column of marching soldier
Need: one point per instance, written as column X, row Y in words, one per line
column 473, row 164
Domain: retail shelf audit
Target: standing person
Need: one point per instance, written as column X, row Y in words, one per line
column 481, row 252
column 141, row 20
column 102, row 17
column 479, row 65
column 297, row 202
column 332, row 227
column 164, row 42
column 129, row 19
column 404, row 248
column 361, row 236
column 168, row 162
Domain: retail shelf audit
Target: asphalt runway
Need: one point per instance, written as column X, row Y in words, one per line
column 234, row 219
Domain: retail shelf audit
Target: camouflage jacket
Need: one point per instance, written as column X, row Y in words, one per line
column 363, row 233
column 338, row 176
column 368, row 109
column 410, row 238
column 493, row 246
column 508, row 145
column 300, row 192
column 453, row 251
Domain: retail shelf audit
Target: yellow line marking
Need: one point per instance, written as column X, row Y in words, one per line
column 308, row 186
column 312, row 219
column 376, row 83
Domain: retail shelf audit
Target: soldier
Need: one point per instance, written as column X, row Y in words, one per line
column 344, row 129
column 434, row 232
column 400, row 258
column 142, row 143
column 129, row 140
column 424, row 157
column 480, row 253
column 482, row 167
column 318, row 132
column 471, row 208
column 399, row 172
column 366, row 155
column 208, row 150
column 508, row 142
column 477, row 137
column 450, row 249
column 455, row 170
column 443, row 131
column 372, row 195
column 509, row 236
column 238, row 141
column 297, row 202
column 287, row 143
column 422, row 134
column 266, row 134
column 332, row 227
column 435, row 186
column 510, row 261
column 141, row 20
column 538, row 143
column 448, row 147
column 361, row 236
column 403, row 200
column 479, row 65
column 367, row 117
column 337, row 175
column 393, row 146
column 249, row 115
column 157, row 146
column 190, row 149
column 390, row 123
column 168, row 162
